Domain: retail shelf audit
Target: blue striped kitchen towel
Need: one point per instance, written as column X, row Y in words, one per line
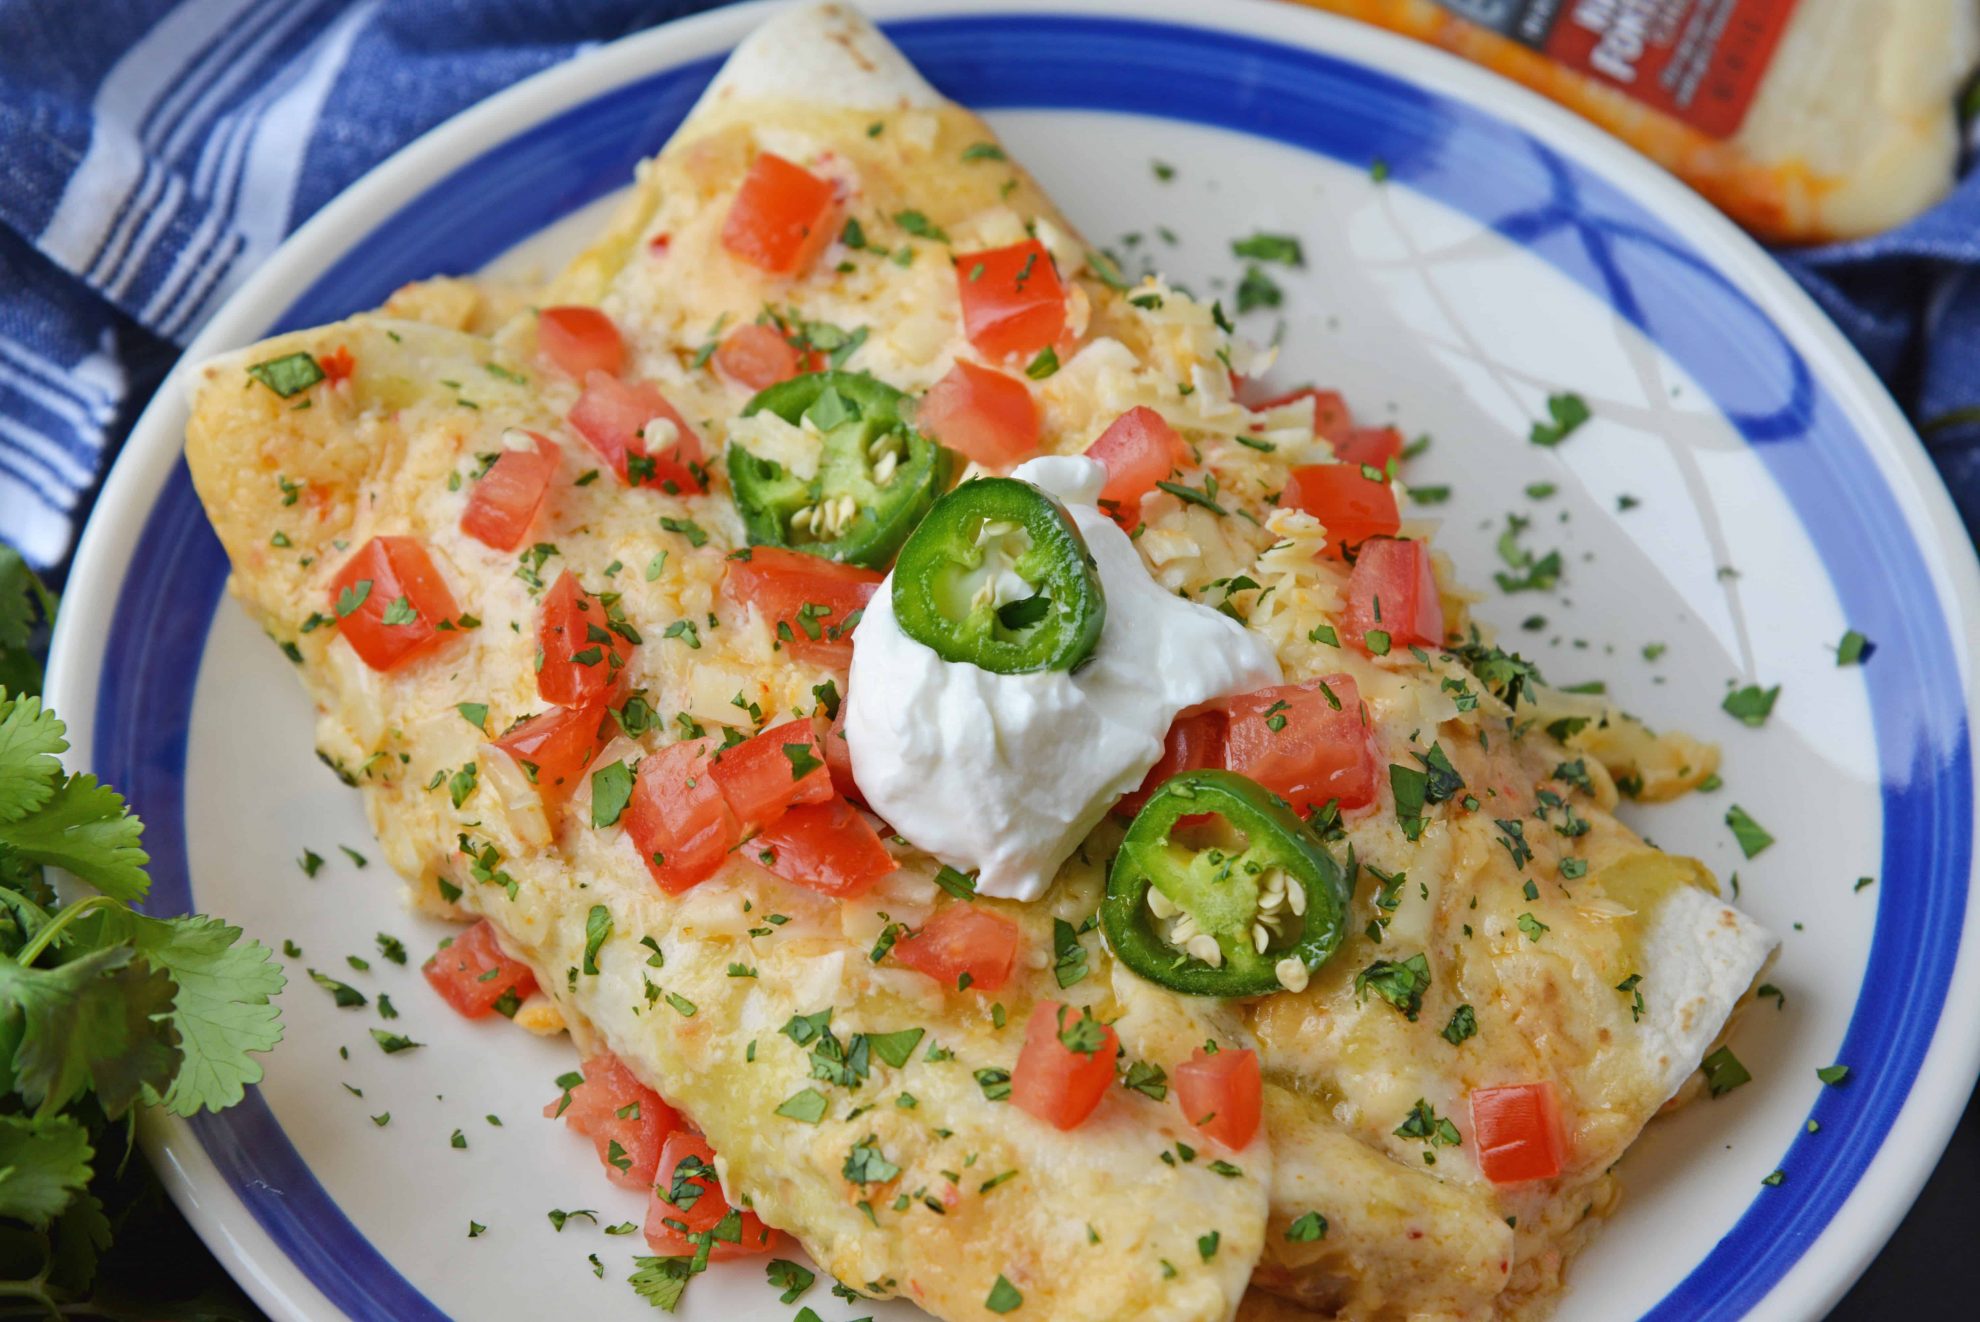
column 154, row 152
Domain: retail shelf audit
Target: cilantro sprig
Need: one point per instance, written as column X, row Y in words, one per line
column 102, row 1009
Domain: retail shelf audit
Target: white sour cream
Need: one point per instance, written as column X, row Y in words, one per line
column 1004, row 775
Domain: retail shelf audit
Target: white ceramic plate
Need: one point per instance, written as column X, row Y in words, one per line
column 1511, row 251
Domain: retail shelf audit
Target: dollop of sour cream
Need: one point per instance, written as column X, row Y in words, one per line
column 1004, row 775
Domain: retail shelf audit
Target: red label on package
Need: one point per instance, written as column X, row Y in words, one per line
column 1697, row 60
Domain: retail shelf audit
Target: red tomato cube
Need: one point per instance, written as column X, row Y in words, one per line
column 961, row 941
column 838, row 758
column 1517, row 1132
column 809, row 602
column 677, row 818
column 1295, row 742
column 988, row 417
column 687, row 1200
column 390, row 602
column 1012, row 299
column 472, row 974
column 580, row 341
column 1139, row 449
column 583, row 658
column 772, row 771
column 1221, row 1094
column 1393, row 590
column 624, row 1119
column 757, row 356
column 827, row 847
column 782, row 218
column 1341, row 496
column 614, row 418
column 1376, row 447
column 1065, row 1066
column 1331, row 418
column 1195, row 741
column 553, row 747
column 505, row 501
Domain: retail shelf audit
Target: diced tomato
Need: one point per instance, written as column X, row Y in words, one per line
column 337, row 365
column 580, row 341
column 782, row 217
column 554, row 746
column 1195, row 741
column 757, row 356
column 1342, row 497
column 769, row 772
column 687, row 1195
column 1012, row 300
column 505, row 500
column 624, row 1119
column 677, row 818
column 1296, row 743
column 827, row 847
column 1221, row 1094
column 1394, row 589
column 472, row 974
column 989, row 417
column 613, row 417
column 1517, row 1132
column 1055, row 1082
column 390, row 601
column 1139, row 448
column 1374, row 446
column 805, row 599
column 838, row 757
column 961, row 940
column 1331, row 418
column 582, row 657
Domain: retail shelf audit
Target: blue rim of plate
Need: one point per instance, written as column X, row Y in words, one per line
column 1563, row 212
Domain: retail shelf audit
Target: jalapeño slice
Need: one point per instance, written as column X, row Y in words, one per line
column 998, row 576
column 876, row 477
column 1220, row 890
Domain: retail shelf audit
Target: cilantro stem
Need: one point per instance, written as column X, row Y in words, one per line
column 40, row 942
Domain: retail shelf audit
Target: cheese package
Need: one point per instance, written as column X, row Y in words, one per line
column 1804, row 120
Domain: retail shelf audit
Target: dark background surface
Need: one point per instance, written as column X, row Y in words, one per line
column 1931, row 1267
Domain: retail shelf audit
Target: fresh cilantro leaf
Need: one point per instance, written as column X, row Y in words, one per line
column 1257, row 290
column 662, row 1281
column 1463, row 1025
column 1399, row 982
column 76, row 823
column 867, row 1164
column 97, row 1021
column 44, row 1164
column 289, row 375
column 1752, row 837
column 346, row 996
column 611, row 791
column 597, row 927
column 1752, row 704
column 1567, row 411
column 789, row 1277
column 1003, row 1297
column 1263, row 247
column 1306, row 1228
column 1723, row 1072
column 1069, row 956
column 897, row 1047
